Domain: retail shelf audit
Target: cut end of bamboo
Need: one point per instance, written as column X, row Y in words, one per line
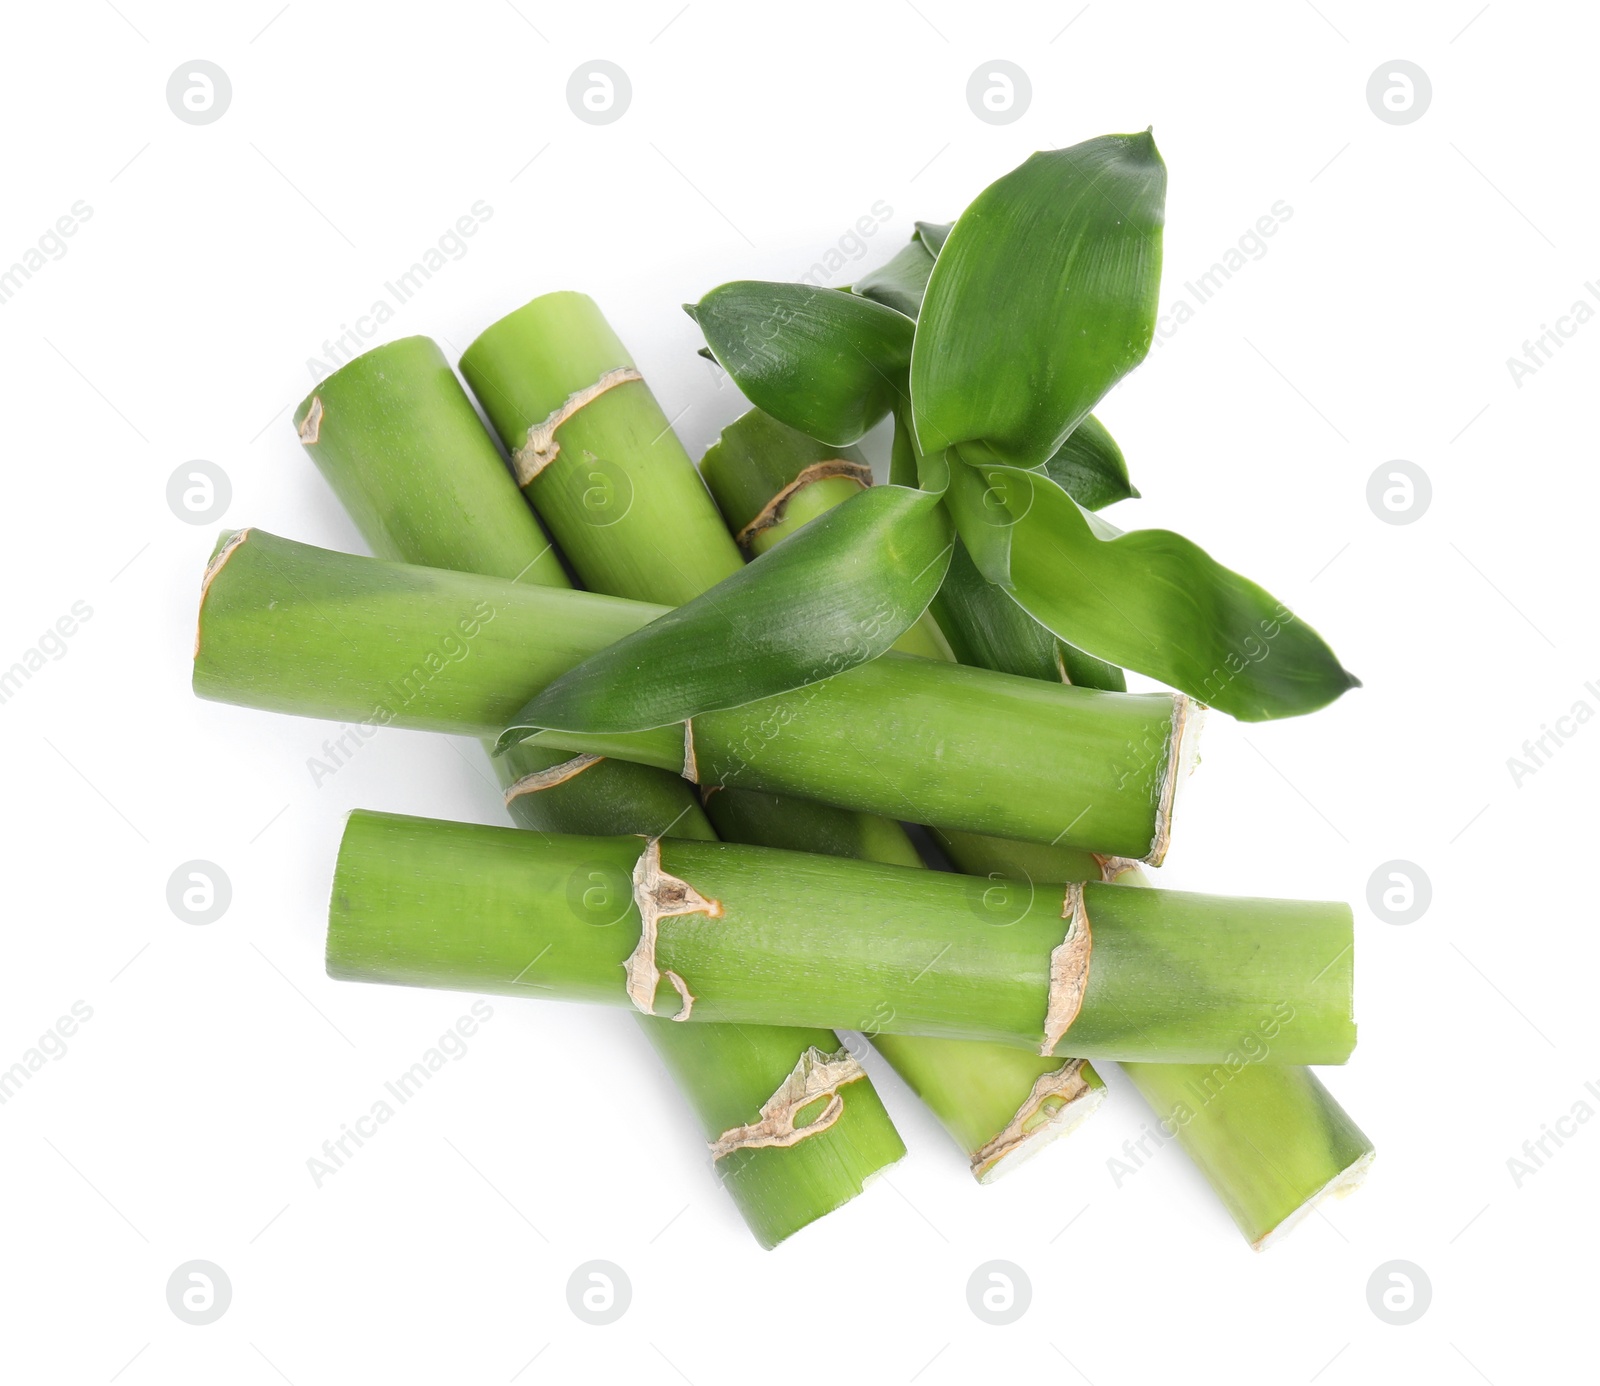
column 1342, row 1185
column 224, row 551
column 309, row 429
column 1036, row 1124
column 1183, row 754
column 772, row 512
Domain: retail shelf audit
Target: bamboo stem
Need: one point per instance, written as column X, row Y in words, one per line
column 400, row 444
column 292, row 628
column 1174, row 977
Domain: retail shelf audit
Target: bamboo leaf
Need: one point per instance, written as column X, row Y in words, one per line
column 840, row 592
column 828, row 363
column 1152, row 601
column 1043, row 297
column 1090, row 467
column 987, row 629
column 900, row 283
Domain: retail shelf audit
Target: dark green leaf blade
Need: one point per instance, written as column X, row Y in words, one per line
column 839, row 592
column 1152, row 601
column 900, row 283
column 1043, row 297
column 933, row 234
column 828, row 363
column 1090, row 467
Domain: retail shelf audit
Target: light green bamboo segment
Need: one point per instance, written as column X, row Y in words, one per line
column 595, row 454
column 397, row 439
column 399, row 442
column 292, row 628
column 753, row 935
column 1269, row 1137
column 999, row 1103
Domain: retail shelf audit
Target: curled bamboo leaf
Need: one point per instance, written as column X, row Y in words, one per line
column 830, row 364
column 1090, row 467
column 1043, row 297
column 839, row 593
column 900, row 283
column 1152, row 601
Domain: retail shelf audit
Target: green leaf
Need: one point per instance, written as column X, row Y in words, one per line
column 1152, row 601
column 987, row 629
column 933, row 234
column 1043, row 297
column 837, row 593
column 828, row 363
column 900, row 283
column 1090, row 467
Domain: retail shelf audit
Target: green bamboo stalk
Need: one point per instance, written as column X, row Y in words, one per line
column 397, row 439
column 292, row 628
column 527, row 367
column 753, row 935
column 601, row 452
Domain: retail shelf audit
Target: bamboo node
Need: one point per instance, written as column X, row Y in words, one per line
column 658, row 896
column 771, row 513
column 1066, row 1083
column 540, row 448
column 310, row 428
column 815, row 1076
column 536, row 780
column 1069, row 971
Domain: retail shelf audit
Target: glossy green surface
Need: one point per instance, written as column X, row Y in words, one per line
column 819, row 941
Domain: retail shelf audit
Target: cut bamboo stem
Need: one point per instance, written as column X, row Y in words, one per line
column 399, row 442
column 292, row 628
column 754, row 935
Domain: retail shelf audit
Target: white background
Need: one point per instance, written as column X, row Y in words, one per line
column 218, row 259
